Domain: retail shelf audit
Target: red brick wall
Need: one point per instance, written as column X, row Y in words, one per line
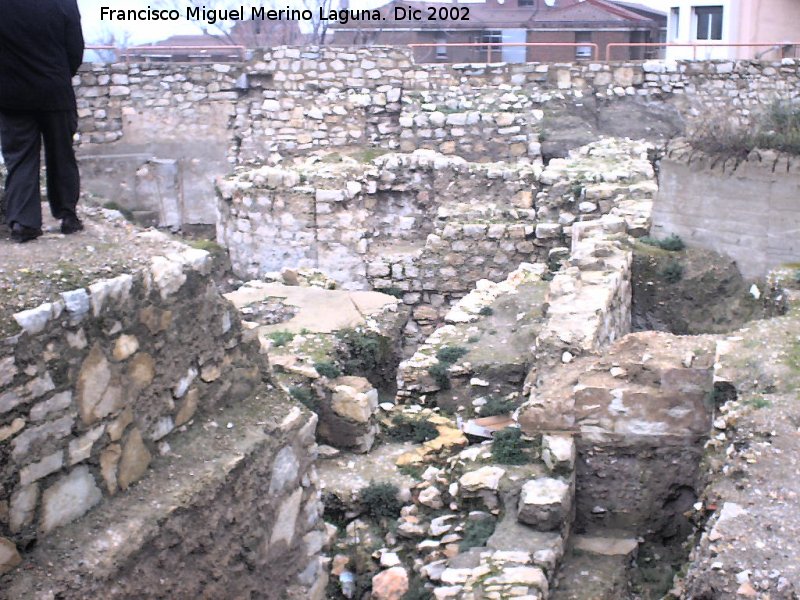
column 475, row 54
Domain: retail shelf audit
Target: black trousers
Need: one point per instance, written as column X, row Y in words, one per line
column 21, row 136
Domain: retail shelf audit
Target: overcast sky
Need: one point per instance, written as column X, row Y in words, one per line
column 96, row 31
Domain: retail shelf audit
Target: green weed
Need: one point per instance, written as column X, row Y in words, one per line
column 508, row 447
column 281, row 338
column 327, row 369
column 380, row 500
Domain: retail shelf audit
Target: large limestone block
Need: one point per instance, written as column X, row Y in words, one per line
column 558, row 452
column 9, row 557
column 284, row 528
column 354, row 398
column 545, row 503
column 284, row 471
column 391, row 584
column 520, row 576
column 134, row 460
column 483, row 479
column 69, row 498
column 98, row 395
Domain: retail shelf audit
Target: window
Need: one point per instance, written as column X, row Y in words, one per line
column 583, row 37
column 674, row 23
column 441, row 50
column 491, row 36
column 526, row 2
column 709, row 22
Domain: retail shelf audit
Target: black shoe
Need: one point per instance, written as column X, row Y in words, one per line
column 22, row 234
column 71, row 224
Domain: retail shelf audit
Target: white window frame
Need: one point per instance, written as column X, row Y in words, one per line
column 713, row 12
column 674, row 23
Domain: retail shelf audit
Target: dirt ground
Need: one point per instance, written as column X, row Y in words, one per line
column 751, row 544
column 707, row 295
column 37, row 271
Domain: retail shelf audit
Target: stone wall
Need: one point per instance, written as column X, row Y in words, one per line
column 92, row 387
column 745, row 209
column 640, row 412
column 293, row 101
column 132, row 410
column 301, row 98
column 153, row 137
column 423, row 225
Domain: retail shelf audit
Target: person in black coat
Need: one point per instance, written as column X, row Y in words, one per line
column 41, row 49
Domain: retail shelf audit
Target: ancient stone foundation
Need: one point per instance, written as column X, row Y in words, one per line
column 123, row 425
column 154, row 137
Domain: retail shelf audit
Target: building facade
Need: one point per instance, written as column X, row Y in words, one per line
column 723, row 22
column 581, row 23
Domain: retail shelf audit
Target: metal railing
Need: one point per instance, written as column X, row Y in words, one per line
column 144, row 52
column 694, row 46
column 489, row 45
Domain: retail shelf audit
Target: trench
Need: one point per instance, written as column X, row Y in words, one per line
column 651, row 484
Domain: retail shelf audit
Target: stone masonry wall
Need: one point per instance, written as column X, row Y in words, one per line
column 422, row 225
column 96, row 382
column 302, row 98
column 293, row 101
column 745, row 209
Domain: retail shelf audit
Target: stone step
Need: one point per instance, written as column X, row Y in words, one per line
column 596, row 567
column 606, row 545
column 231, row 512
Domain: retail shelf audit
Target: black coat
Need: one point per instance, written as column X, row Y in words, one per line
column 41, row 48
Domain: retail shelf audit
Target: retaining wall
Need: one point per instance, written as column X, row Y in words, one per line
column 200, row 118
column 745, row 209
column 96, row 381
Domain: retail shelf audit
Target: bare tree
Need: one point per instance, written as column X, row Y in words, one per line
column 220, row 29
column 119, row 41
column 247, row 32
column 319, row 27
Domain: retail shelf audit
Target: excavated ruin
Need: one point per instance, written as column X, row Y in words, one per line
column 426, row 374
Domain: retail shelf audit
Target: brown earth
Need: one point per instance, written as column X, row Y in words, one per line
column 38, row 271
column 689, row 292
column 754, row 463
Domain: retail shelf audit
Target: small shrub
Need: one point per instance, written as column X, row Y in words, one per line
column 473, row 339
column 413, row 471
column 440, row 375
column 407, row 429
column 577, row 190
column 450, row 354
column 281, row 338
column 305, row 396
column 498, row 406
column 672, row 272
column 672, row 243
column 327, row 369
column 508, row 447
column 759, row 402
column 486, row 311
column 380, row 500
column 417, row 591
column 777, row 128
column 365, row 353
column 476, row 532
column 391, row 291
column 797, row 276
